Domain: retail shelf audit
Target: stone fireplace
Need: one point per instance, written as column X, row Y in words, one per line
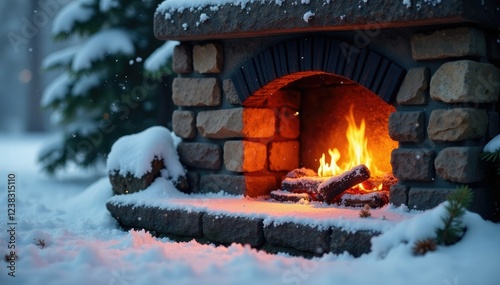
column 263, row 89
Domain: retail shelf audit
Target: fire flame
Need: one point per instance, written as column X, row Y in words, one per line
column 358, row 152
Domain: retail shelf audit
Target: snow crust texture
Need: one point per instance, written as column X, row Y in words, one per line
column 85, row 245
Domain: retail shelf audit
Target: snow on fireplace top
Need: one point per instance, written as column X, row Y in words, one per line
column 180, row 5
column 216, row 19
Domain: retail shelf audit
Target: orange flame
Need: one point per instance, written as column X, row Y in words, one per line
column 358, row 152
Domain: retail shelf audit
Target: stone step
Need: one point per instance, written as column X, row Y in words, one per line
column 259, row 232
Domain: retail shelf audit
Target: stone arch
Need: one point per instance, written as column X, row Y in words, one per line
column 294, row 59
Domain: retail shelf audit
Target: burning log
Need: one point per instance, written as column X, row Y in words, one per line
column 338, row 184
column 301, row 172
column 285, row 196
column 374, row 199
column 307, row 185
column 381, row 183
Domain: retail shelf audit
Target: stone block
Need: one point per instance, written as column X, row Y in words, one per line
column 200, row 155
column 131, row 216
column 178, row 222
column 289, row 123
column 196, row 92
column 407, row 126
column 182, row 60
column 236, row 123
column 230, row 92
column 214, row 183
column 455, row 42
column 226, row 230
column 414, row 87
column 298, row 236
column 284, row 155
column 356, row 243
column 184, row 124
column 221, row 124
column 460, row 164
column 244, row 156
column 398, row 195
column 258, row 123
column 457, row 124
column 466, row 81
column 129, row 183
column 208, row 58
column 427, row 198
column 173, row 222
column 252, row 186
column 413, row 164
column 257, row 186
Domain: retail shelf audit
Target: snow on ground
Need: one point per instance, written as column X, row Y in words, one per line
column 84, row 245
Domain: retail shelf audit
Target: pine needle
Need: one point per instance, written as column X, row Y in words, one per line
column 453, row 229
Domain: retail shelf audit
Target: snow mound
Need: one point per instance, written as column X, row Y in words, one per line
column 406, row 233
column 102, row 44
column 493, row 145
column 308, row 16
column 134, row 153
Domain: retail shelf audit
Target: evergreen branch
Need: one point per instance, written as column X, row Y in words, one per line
column 491, row 156
column 453, row 229
column 124, row 102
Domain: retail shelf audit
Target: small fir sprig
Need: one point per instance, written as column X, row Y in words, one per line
column 365, row 212
column 492, row 157
column 423, row 246
column 453, row 229
column 40, row 243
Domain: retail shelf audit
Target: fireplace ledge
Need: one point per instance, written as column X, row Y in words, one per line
column 174, row 22
column 305, row 229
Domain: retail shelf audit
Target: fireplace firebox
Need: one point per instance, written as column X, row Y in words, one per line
column 261, row 96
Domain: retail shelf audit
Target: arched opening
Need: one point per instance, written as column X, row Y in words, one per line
column 326, row 103
column 320, row 90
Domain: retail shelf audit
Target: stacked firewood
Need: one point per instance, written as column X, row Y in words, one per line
column 307, row 185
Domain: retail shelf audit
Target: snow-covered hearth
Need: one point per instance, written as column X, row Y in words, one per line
column 251, row 87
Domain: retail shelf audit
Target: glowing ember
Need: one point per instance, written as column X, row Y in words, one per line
column 358, row 153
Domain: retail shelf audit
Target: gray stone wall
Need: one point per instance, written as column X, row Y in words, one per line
column 445, row 114
column 228, row 146
column 444, row 117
